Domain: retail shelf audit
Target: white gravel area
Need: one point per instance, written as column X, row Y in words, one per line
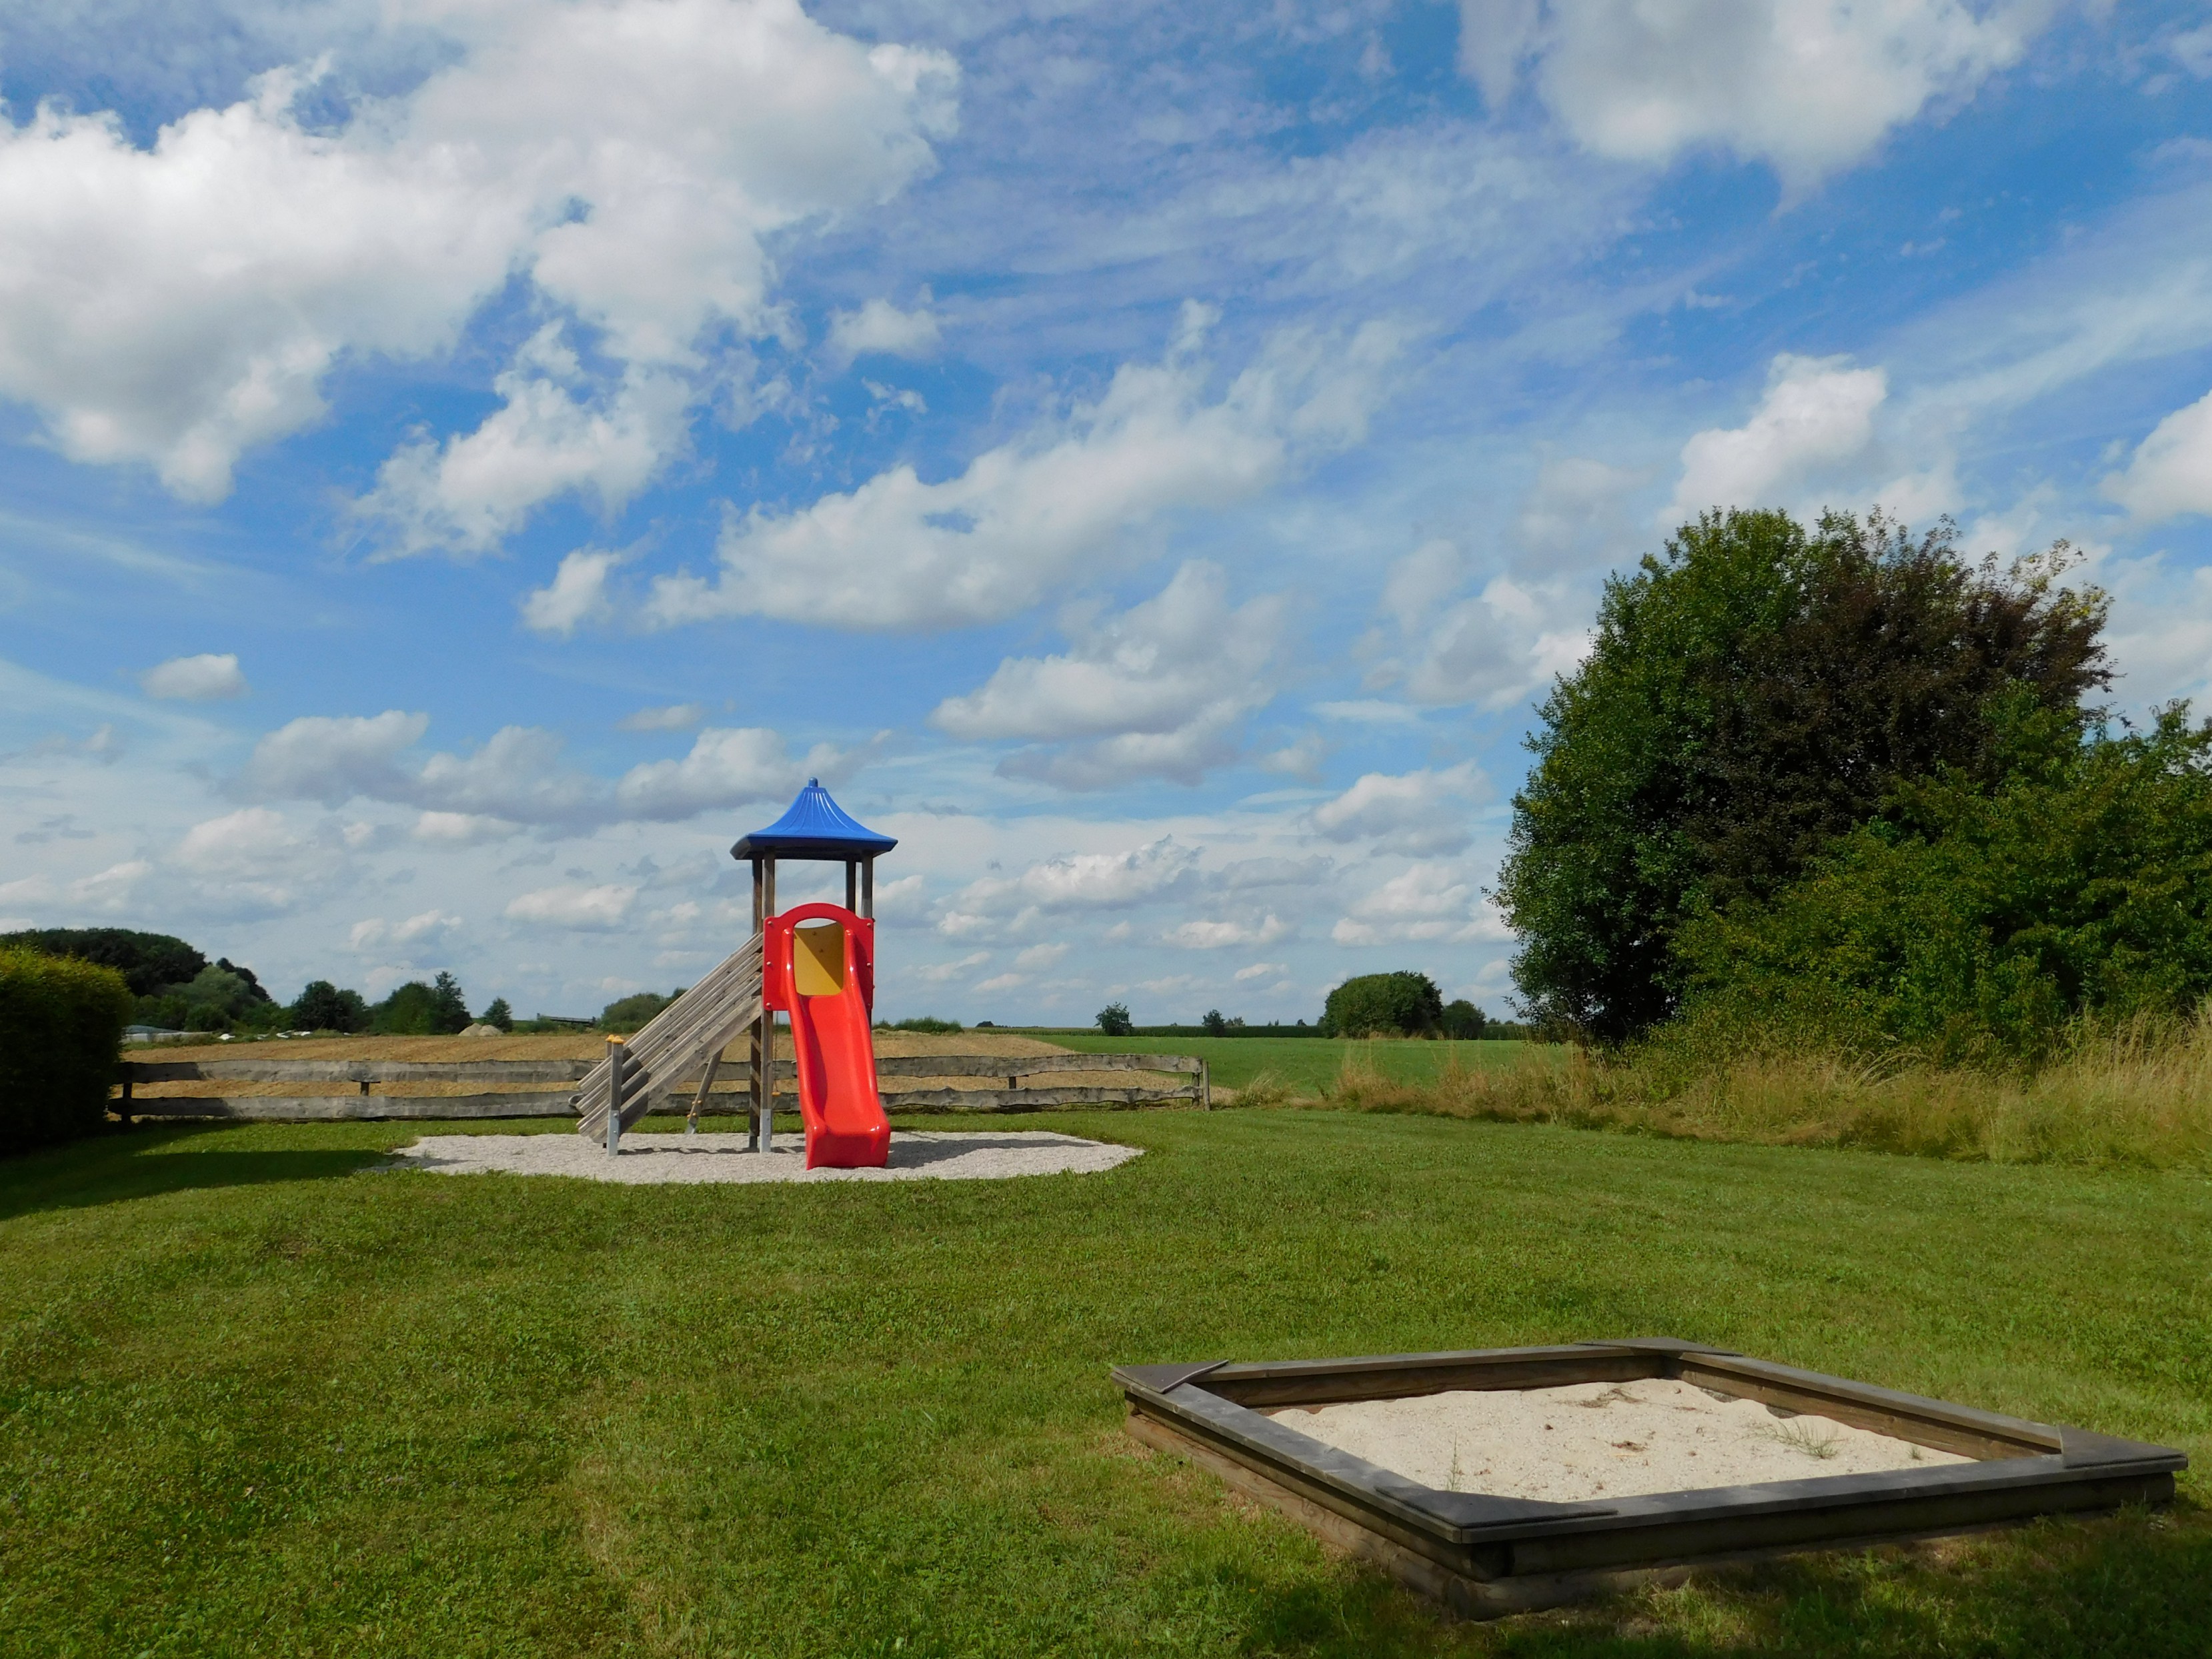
column 1593, row 1440
column 650, row 1158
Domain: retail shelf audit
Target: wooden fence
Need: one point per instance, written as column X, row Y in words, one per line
column 502, row 1088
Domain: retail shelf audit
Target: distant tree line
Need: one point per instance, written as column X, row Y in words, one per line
column 1404, row 1004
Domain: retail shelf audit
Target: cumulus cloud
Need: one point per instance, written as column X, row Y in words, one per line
column 1808, row 85
column 1055, row 504
column 1575, row 514
column 257, row 859
column 880, row 327
column 461, row 828
column 1425, row 902
column 1817, row 412
column 518, row 776
column 376, row 933
column 576, row 595
column 675, row 717
column 1443, row 646
column 1214, row 935
column 939, row 973
column 586, row 909
column 1080, row 881
column 1262, row 970
column 1423, row 812
column 2170, row 472
column 180, row 303
column 208, row 677
column 1159, row 691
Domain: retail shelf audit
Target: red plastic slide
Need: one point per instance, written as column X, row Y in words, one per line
column 820, row 968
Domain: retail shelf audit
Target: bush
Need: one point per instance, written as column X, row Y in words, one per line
column 500, row 1014
column 150, row 964
column 1464, row 1021
column 61, row 1026
column 1114, row 1019
column 1979, row 925
column 633, row 1013
column 1384, row 1005
column 927, row 1026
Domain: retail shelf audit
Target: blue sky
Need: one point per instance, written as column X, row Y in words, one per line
column 463, row 461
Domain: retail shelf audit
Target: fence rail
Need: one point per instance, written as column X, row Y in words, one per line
column 1192, row 1087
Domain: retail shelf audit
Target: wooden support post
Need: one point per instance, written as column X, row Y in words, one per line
column 1205, row 1088
column 618, row 1053
column 868, row 888
column 852, row 885
column 122, row 1106
column 699, row 1100
column 764, row 1078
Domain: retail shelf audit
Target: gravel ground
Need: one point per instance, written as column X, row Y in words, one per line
column 650, row 1158
column 1592, row 1440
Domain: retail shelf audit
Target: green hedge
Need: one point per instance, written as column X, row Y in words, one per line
column 61, row 1025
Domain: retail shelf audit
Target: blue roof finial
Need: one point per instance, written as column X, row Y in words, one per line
column 815, row 827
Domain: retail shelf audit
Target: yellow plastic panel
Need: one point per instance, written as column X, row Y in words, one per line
column 817, row 958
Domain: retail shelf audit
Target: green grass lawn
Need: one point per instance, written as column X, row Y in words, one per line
column 260, row 1399
column 1310, row 1064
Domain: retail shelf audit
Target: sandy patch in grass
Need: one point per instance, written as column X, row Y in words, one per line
column 651, row 1159
column 1593, row 1440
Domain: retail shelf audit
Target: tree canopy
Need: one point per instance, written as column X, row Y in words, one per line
column 1403, row 1003
column 1751, row 695
column 149, row 963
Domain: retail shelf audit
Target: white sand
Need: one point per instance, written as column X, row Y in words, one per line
column 652, row 1158
column 1594, row 1440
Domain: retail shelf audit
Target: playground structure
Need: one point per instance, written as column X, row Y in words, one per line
column 815, row 964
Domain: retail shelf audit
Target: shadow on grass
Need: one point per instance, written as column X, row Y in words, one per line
column 2137, row 1584
column 141, row 1163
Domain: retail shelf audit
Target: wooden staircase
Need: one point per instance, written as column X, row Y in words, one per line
column 683, row 1039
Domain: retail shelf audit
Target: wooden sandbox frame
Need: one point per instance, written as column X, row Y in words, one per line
column 1486, row 1556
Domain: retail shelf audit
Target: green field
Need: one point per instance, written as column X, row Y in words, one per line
column 1308, row 1065
column 261, row 1398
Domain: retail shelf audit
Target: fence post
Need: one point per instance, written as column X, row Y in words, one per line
column 1204, row 1086
column 618, row 1053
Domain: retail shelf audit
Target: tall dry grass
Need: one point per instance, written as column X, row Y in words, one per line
column 2137, row 1094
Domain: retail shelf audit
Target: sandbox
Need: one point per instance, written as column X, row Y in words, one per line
column 653, row 1158
column 1500, row 1481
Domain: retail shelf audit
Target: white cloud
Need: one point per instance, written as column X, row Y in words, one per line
column 376, row 933
column 461, row 828
column 1262, row 970
column 2170, row 472
column 1002, row 983
column 556, row 432
column 1047, row 508
column 1423, row 812
column 518, row 776
column 1818, row 412
column 1428, row 902
column 1038, row 958
column 256, row 859
column 181, row 303
column 588, row 910
column 676, row 717
column 1159, row 691
column 1491, row 648
column 940, row 973
column 881, row 327
column 1809, row 85
column 576, row 595
column 333, row 759
column 1206, row 935
column 724, row 768
column 1102, row 881
column 208, row 677
column 1575, row 516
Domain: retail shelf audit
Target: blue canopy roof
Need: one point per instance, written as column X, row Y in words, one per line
column 816, row 827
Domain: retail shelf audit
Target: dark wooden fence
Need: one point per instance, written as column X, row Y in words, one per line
column 503, row 1086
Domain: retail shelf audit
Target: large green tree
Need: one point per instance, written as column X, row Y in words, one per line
column 1752, row 694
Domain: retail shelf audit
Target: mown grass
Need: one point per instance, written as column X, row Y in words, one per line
column 2138, row 1095
column 1311, row 1066
column 258, row 1398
